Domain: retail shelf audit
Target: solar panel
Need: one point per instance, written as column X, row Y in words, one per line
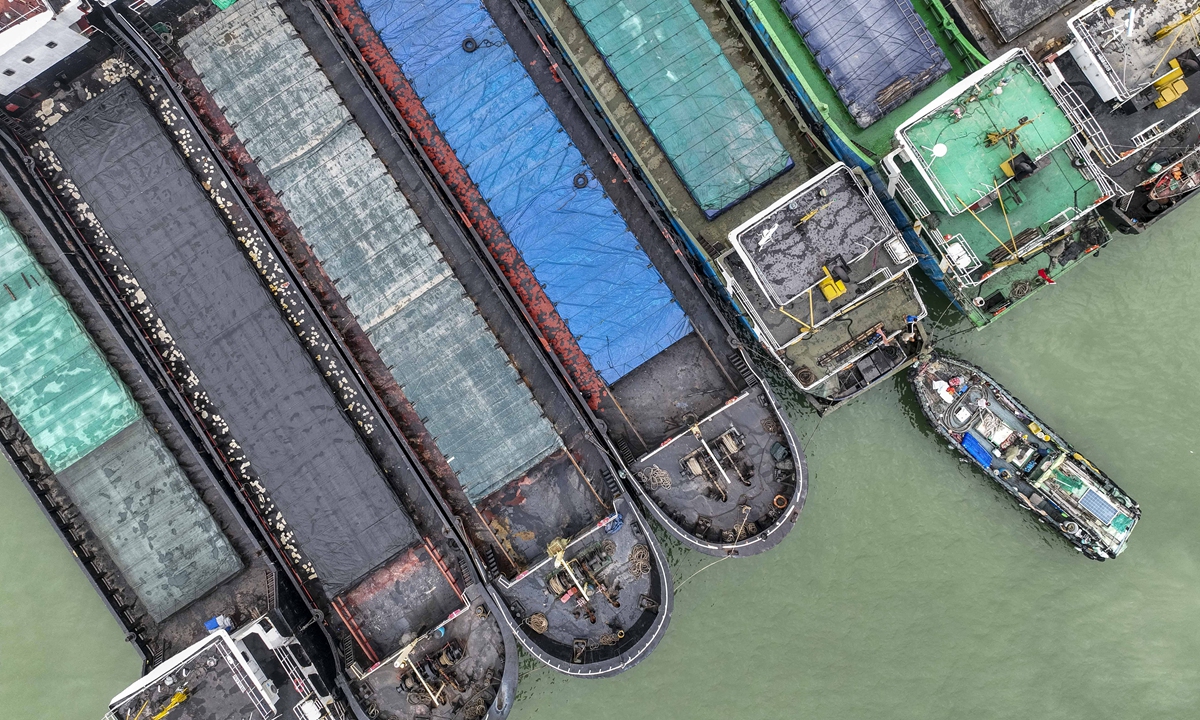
column 1095, row 503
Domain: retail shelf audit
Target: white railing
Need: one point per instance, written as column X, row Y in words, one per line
column 1082, row 119
column 962, row 273
column 910, row 197
column 1093, row 172
column 244, row 682
column 1148, row 134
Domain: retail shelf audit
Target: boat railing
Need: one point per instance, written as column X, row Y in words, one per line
column 1093, row 172
column 909, row 195
column 1054, row 226
column 742, row 300
column 876, row 206
column 1081, row 118
column 1148, row 134
column 1094, row 48
column 243, row 680
column 964, row 274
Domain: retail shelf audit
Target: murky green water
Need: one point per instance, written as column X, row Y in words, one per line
column 910, row 589
column 62, row 656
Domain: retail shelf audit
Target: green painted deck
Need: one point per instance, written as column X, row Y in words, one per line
column 1036, row 202
column 62, row 391
column 875, row 141
column 971, row 167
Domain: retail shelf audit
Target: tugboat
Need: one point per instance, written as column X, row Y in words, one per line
column 1034, row 464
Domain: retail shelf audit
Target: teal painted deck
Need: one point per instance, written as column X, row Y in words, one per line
column 971, row 167
column 52, row 377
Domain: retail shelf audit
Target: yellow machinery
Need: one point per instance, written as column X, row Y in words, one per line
column 176, row 700
column 1165, row 30
column 1170, row 86
column 831, row 287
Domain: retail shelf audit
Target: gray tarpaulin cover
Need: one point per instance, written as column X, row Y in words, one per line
column 876, row 53
column 141, row 506
column 85, row 423
column 1013, row 17
column 368, row 237
column 330, row 492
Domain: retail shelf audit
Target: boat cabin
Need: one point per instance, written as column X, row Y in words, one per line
column 823, row 273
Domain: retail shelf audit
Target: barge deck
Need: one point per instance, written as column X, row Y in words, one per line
column 336, row 490
column 690, row 370
column 513, row 454
column 143, row 507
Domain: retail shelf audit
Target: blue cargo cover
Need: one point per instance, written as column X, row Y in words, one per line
column 519, row 156
column 876, row 53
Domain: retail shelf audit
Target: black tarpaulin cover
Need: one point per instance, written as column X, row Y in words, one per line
column 331, row 493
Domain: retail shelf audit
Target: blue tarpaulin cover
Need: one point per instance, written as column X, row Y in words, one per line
column 516, row 151
column 688, row 94
column 390, row 272
column 876, row 53
column 977, row 450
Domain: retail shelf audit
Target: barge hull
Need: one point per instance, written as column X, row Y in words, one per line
column 331, row 493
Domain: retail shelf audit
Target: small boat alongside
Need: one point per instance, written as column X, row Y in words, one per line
column 1034, row 464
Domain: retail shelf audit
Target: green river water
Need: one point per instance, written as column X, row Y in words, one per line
column 911, row 587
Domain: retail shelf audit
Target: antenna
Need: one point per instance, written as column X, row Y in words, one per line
column 938, row 151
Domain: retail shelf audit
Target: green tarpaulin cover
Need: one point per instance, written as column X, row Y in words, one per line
column 689, row 95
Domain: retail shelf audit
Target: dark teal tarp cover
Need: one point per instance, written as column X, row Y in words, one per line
column 516, row 151
column 688, row 94
column 876, row 53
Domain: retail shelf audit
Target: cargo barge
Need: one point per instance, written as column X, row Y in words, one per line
column 578, row 575
column 1029, row 460
column 1119, row 76
column 419, row 321
column 608, row 285
column 402, row 622
column 109, row 449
